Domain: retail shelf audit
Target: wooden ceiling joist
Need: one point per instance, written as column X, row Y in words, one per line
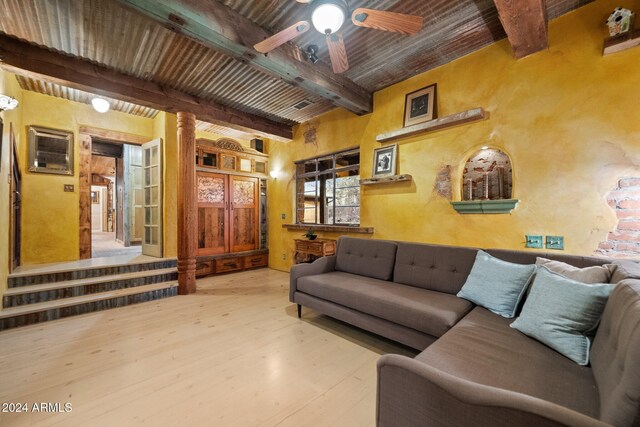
column 525, row 22
column 221, row 28
column 23, row 58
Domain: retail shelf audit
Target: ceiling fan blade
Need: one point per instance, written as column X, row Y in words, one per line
column 278, row 39
column 338, row 53
column 387, row 21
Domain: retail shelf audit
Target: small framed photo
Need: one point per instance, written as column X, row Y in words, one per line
column 384, row 161
column 420, row 106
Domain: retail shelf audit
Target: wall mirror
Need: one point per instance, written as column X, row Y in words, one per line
column 50, row 151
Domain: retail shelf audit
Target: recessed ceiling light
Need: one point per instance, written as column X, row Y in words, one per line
column 486, row 147
column 100, row 105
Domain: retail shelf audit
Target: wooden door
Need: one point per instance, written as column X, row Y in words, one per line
column 243, row 217
column 213, row 224
column 15, row 185
column 152, row 197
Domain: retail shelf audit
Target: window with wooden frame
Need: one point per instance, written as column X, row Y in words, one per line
column 328, row 189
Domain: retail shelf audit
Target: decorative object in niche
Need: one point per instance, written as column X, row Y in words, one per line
column 50, row 151
column 486, row 184
column 487, row 175
column 384, row 161
column 620, row 21
column 420, row 106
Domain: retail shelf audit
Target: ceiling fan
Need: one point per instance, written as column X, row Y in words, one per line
column 328, row 16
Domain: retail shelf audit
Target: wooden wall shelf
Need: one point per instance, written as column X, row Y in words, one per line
column 329, row 228
column 463, row 117
column 386, row 179
column 621, row 42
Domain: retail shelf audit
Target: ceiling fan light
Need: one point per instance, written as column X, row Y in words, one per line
column 328, row 18
column 100, row 105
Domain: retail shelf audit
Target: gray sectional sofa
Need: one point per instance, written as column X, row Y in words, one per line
column 474, row 370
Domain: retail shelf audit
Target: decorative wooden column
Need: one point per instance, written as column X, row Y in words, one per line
column 187, row 218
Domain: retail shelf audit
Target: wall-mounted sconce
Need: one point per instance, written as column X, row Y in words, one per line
column 100, row 105
column 7, row 103
column 274, row 174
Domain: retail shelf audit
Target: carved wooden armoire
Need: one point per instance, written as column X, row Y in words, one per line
column 232, row 207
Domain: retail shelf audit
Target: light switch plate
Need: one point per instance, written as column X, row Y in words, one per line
column 68, row 188
column 555, row 242
column 533, row 241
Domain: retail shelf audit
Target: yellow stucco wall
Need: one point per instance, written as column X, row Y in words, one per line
column 50, row 216
column 8, row 86
column 568, row 117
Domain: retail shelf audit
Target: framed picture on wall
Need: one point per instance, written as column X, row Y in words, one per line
column 384, row 161
column 420, row 106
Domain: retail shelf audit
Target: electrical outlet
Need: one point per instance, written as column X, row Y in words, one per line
column 283, row 216
column 533, row 241
column 68, row 188
column 555, row 242
column 284, row 256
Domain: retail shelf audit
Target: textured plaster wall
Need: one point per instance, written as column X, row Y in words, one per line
column 49, row 215
column 568, row 118
column 8, row 86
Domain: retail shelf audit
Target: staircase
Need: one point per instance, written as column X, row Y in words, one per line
column 34, row 298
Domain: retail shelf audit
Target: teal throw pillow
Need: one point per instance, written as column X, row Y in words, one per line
column 496, row 285
column 562, row 313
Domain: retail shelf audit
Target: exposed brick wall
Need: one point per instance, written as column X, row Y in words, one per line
column 624, row 241
column 443, row 182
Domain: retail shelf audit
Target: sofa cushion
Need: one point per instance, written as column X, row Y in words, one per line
column 593, row 274
column 371, row 258
column 435, row 267
column 429, row 312
column 497, row 285
column 615, row 356
column 561, row 312
column 625, row 269
column 483, row 348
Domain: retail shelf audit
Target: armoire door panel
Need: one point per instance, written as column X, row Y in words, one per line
column 213, row 222
column 211, row 233
column 244, row 213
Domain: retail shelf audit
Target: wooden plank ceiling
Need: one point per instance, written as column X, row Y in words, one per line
column 126, row 41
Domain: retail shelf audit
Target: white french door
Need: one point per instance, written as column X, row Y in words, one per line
column 152, row 191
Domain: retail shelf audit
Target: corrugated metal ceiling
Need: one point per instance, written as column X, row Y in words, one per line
column 76, row 95
column 105, row 32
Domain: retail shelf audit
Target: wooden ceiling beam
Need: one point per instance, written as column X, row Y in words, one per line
column 525, row 22
column 32, row 61
column 221, row 28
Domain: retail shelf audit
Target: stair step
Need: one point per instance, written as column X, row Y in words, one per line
column 86, row 282
column 36, row 277
column 34, row 294
column 50, row 310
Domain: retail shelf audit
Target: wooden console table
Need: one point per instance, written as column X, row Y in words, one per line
column 309, row 250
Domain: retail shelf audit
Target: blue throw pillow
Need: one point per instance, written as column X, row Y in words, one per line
column 562, row 313
column 496, row 285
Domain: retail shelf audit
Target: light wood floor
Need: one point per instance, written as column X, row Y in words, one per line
column 233, row 354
